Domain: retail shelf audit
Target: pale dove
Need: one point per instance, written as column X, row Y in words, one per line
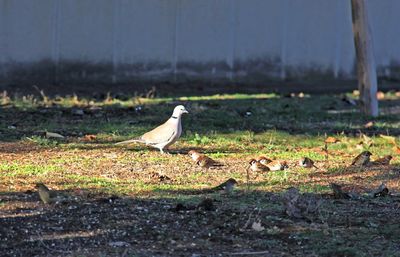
column 164, row 135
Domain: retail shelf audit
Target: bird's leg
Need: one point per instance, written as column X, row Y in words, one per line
column 164, row 151
column 248, row 178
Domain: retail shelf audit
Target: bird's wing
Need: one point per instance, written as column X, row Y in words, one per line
column 161, row 134
column 355, row 160
column 130, row 141
column 209, row 160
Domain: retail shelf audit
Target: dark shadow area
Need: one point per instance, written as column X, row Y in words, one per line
column 103, row 225
column 192, row 87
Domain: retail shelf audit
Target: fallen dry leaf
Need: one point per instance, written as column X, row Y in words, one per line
column 367, row 140
column 369, row 124
column 360, row 146
column 331, row 140
column 390, row 139
column 257, row 226
column 89, row 137
column 396, row 149
column 53, row 135
column 380, row 95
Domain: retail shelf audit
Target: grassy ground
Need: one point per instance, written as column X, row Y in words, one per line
column 122, row 201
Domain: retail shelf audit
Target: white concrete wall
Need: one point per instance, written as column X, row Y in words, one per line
column 252, row 39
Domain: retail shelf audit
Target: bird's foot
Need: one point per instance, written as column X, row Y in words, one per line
column 164, row 152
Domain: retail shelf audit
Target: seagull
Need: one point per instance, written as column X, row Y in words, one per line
column 164, row 135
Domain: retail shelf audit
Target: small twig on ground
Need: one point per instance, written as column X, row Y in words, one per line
column 248, row 179
column 42, row 94
column 249, row 253
column 326, row 151
column 125, row 252
column 51, row 249
column 248, row 221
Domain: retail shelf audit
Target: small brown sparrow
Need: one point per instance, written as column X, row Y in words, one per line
column 263, row 160
column 277, row 165
column 338, row 193
column 227, row 186
column 306, row 162
column 362, row 159
column 382, row 191
column 385, row 160
column 203, row 160
column 44, row 193
column 256, row 166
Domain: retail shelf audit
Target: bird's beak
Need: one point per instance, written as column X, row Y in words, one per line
column 185, row 111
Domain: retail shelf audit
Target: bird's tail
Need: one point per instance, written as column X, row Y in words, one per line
column 139, row 140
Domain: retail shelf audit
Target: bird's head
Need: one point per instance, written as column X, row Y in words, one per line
column 232, row 181
column 252, row 161
column 179, row 110
column 366, row 153
column 40, row 186
column 389, row 157
column 194, row 154
column 264, row 160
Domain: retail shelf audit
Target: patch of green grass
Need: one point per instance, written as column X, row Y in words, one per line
column 223, row 126
column 314, row 188
column 199, row 140
column 15, row 170
column 42, row 141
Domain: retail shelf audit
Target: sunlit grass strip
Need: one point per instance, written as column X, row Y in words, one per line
column 15, row 169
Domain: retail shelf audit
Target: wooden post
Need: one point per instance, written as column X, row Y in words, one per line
column 366, row 71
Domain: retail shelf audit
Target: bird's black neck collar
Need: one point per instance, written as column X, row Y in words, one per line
column 174, row 117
